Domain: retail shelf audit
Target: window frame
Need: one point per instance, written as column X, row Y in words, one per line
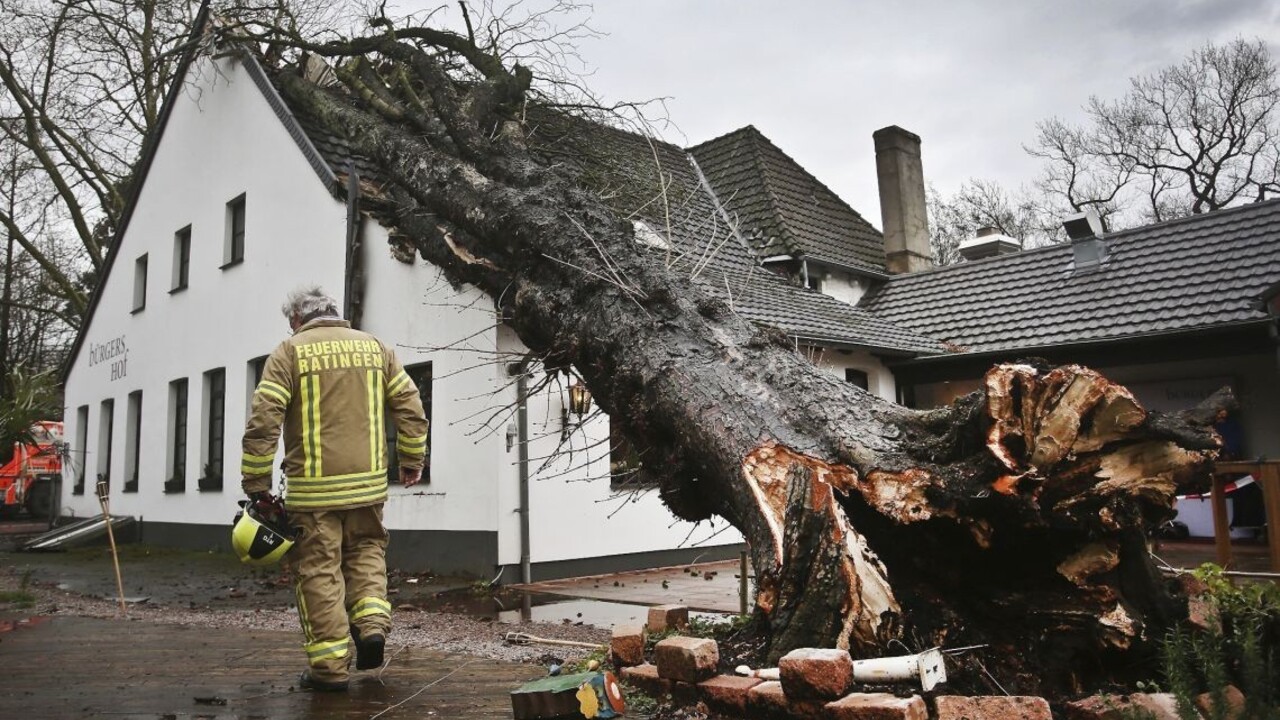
column 858, row 377
column 82, row 449
column 181, row 275
column 236, row 222
column 425, row 392
column 133, row 441
column 139, row 284
column 213, row 457
column 179, row 426
column 106, row 432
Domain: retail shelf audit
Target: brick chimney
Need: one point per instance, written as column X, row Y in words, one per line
column 902, row 205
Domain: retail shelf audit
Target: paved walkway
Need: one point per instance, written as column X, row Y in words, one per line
column 73, row 667
column 708, row 587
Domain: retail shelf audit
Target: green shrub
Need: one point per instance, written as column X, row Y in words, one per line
column 1244, row 654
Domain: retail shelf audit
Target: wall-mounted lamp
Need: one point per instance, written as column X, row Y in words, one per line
column 578, row 407
column 579, row 399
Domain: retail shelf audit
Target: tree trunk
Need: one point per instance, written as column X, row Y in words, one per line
column 1015, row 517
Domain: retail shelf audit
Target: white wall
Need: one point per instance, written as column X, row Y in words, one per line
column 573, row 512
column 413, row 309
column 880, row 380
column 221, row 140
column 843, row 286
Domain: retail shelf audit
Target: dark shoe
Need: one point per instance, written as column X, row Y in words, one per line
column 306, row 682
column 368, row 649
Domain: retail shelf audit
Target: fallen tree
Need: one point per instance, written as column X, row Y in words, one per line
column 1016, row 516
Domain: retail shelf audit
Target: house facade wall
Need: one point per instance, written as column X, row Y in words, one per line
column 222, row 141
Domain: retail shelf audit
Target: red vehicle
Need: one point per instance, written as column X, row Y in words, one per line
column 30, row 478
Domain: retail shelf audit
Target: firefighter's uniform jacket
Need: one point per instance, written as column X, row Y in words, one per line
column 329, row 386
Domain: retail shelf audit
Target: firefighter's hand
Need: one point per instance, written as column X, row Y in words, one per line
column 266, row 504
column 410, row 476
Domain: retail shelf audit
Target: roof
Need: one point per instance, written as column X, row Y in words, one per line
column 629, row 169
column 1175, row 277
column 782, row 208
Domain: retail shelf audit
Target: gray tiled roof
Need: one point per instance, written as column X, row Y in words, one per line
column 1197, row 272
column 783, row 209
column 629, row 166
column 631, row 169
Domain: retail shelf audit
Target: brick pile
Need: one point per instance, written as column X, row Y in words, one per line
column 816, row 682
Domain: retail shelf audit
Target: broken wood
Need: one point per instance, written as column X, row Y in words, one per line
column 520, row 638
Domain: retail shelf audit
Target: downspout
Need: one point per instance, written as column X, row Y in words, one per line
column 353, row 292
column 804, row 272
column 522, row 453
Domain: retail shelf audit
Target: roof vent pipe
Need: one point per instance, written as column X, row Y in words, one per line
column 990, row 242
column 1088, row 249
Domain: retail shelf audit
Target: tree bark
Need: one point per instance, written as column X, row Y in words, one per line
column 1014, row 517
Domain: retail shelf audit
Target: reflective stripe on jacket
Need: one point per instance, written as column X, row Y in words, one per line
column 329, row 386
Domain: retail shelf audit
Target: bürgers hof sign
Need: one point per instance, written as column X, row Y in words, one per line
column 114, row 351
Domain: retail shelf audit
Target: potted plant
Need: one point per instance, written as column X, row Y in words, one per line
column 211, row 479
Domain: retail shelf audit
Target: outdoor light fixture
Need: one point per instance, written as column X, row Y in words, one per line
column 579, row 405
column 579, row 399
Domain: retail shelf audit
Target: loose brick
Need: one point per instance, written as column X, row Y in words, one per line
column 876, row 706
column 727, row 694
column 1202, row 609
column 992, row 707
column 646, row 678
column 687, row 659
column 683, row 694
column 816, row 674
column 627, row 646
column 1158, row 706
column 1233, row 700
column 668, row 617
column 766, row 701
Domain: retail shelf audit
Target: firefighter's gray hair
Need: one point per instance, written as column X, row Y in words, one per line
column 308, row 302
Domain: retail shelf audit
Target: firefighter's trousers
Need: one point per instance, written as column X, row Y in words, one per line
column 341, row 569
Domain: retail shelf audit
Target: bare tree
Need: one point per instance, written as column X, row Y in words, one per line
column 1191, row 138
column 981, row 204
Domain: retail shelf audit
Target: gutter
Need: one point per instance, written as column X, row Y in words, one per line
column 1083, row 344
column 522, row 453
column 846, row 345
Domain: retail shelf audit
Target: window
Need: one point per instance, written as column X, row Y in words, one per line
column 215, row 393
column 177, row 481
column 857, row 377
column 624, row 461
column 133, row 436
column 253, row 375
column 421, row 376
column 140, row 283
column 105, row 422
column 181, row 259
column 82, row 449
column 233, row 250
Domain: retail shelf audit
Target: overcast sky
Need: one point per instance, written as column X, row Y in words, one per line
column 972, row 78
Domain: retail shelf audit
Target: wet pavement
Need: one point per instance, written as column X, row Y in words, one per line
column 69, row 666
column 74, row 667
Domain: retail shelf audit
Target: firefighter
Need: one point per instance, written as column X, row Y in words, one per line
column 329, row 387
